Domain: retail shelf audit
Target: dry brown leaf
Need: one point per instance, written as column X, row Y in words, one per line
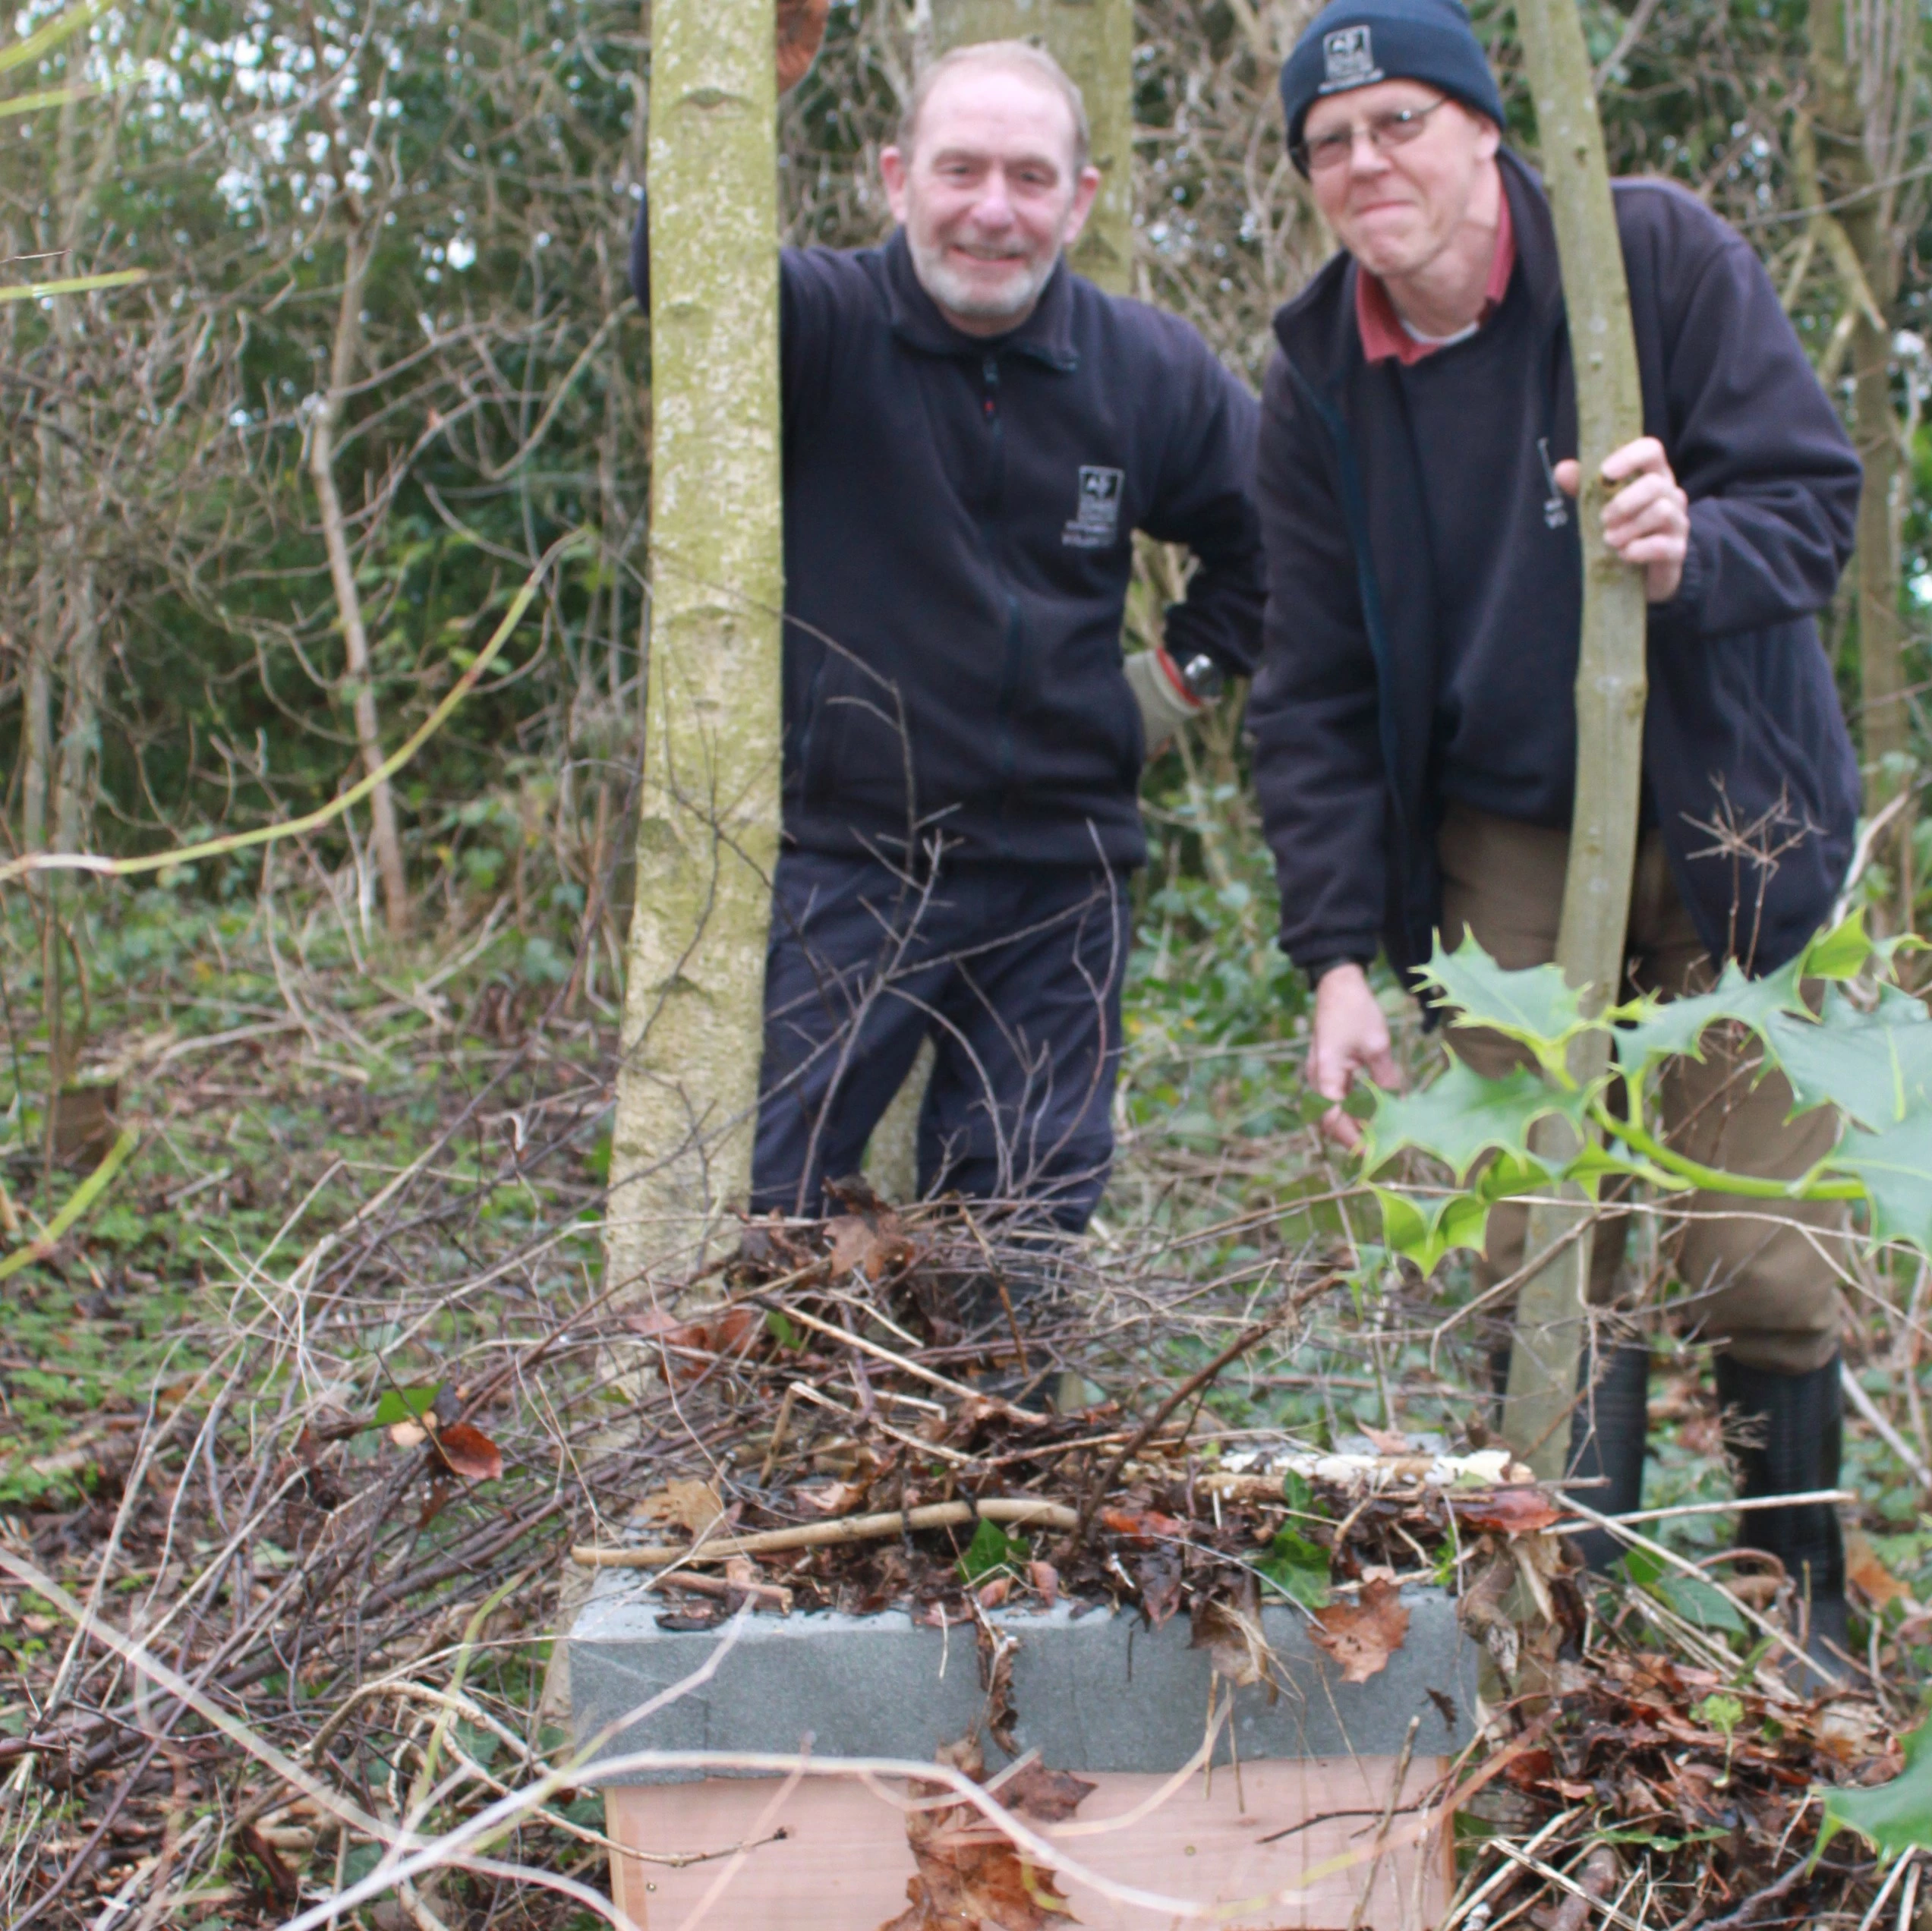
column 1158, row 1576
column 1141, row 1524
column 691, row 1505
column 1230, row 1633
column 970, row 1878
column 875, row 1244
column 1874, row 1582
column 1048, row 1797
column 1517, row 1510
column 466, row 1450
column 1388, row 1442
column 1363, row 1635
column 1045, row 1578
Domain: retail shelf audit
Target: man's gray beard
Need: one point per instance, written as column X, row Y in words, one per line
column 952, row 293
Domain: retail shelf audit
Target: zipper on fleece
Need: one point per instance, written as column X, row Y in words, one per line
column 1005, row 751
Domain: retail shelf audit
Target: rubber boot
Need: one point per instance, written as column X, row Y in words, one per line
column 1607, row 1443
column 1784, row 1432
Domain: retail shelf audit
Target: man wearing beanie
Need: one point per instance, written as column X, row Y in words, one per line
column 1414, row 718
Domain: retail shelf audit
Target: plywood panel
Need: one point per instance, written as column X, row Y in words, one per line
column 842, row 1863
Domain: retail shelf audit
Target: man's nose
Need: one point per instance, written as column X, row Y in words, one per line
column 994, row 207
column 1365, row 155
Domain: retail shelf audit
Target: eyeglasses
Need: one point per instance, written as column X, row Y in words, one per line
column 1395, row 128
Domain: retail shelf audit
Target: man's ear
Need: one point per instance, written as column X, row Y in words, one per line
column 1085, row 189
column 1488, row 136
column 892, row 171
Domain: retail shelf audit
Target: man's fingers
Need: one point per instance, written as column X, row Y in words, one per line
column 1338, row 1126
column 1646, row 455
column 1569, row 475
column 1383, row 1071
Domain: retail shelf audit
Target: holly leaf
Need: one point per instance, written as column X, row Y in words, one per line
column 1840, row 953
column 1537, row 1005
column 1422, row 1227
column 1894, row 1817
column 1876, row 1066
column 1895, row 1167
column 1461, row 1116
column 1296, row 1566
column 1660, row 1030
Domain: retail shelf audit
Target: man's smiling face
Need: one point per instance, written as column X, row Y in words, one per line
column 989, row 192
column 1395, row 208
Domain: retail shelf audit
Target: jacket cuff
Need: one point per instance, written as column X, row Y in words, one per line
column 1314, row 966
column 1684, row 612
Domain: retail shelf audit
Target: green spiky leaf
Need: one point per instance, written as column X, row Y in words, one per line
column 1660, row 1030
column 1463, row 1116
column 1877, row 1067
column 1536, row 1006
column 1839, row 953
column 1424, row 1227
column 1895, row 1817
column 1895, row 1167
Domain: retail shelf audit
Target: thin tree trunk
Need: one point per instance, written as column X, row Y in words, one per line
column 1552, row 1307
column 37, row 728
column 1093, row 40
column 387, row 844
column 1846, row 152
column 708, row 816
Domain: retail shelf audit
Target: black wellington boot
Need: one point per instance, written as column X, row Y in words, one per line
column 1784, row 1432
column 1607, row 1443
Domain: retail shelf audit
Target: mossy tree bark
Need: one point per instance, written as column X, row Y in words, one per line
column 1850, row 154
column 708, row 816
column 1550, row 1307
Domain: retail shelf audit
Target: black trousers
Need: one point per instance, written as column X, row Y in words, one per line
column 1013, row 973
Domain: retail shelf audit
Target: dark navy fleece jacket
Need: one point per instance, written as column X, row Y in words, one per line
column 959, row 519
column 1421, row 638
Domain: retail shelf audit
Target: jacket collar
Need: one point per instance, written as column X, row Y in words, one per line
column 1046, row 336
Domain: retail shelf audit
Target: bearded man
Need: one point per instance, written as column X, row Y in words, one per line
column 1414, row 719
column 972, row 434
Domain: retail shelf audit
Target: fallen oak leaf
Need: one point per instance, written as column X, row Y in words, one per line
column 1362, row 1636
column 1868, row 1575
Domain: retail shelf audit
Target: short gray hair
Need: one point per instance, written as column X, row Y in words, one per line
column 1020, row 56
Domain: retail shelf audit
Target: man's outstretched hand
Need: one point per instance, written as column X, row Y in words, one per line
column 1648, row 520
column 1351, row 1036
column 801, row 27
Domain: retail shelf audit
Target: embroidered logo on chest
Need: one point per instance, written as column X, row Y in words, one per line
column 1348, row 60
column 1096, row 521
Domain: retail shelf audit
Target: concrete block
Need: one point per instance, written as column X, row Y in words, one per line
column 1096, row 1691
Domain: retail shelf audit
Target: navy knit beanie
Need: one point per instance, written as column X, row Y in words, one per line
column 1354, row 43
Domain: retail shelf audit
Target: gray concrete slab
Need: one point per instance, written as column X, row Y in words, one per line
column 1092, row 1691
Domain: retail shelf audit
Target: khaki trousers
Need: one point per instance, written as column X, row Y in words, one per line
column 1756, row 1276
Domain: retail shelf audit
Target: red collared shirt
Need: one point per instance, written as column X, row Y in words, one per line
column 1383, row 332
